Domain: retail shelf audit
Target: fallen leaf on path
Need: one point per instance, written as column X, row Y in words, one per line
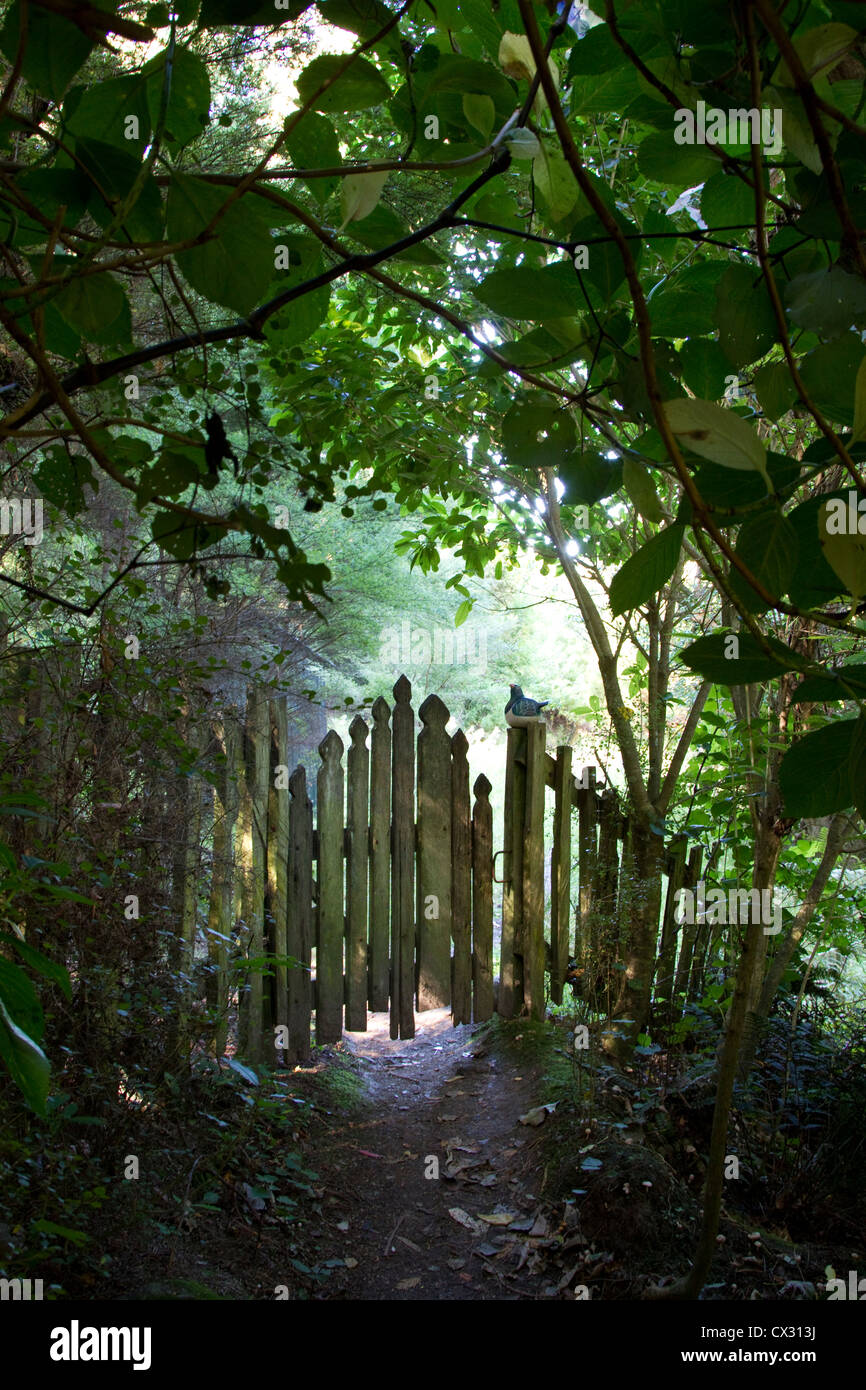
column 350, row 1263
column 368, row 1154
column 342, row 1225
column 498, row 1218
column 456, row 1264
column 411, row 1244
column 536, row 1116
column 464, row 1219
column 409, row 1283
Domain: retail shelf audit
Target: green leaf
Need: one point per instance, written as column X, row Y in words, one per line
column 97, row 308
column 590, row 477
column 555, row 182
column 246, row 1072
column 815, row 773
column 113, row 112
column 737, row 659
column 480, row 112
column 551, row 292
column 114, row 171
column 27, row 1064
column 705, row 368
column 602, row 79
column 843, row 544
column 640, row 487
column 537, row 435
column 463, row 612
column 359, row 195
column 717, row 434
column 359, row 87
column 814, row 583
column 188, row 98
column 51, row 969
column 775, row 390
column 858, row 766
column 860, row 404
column 744, row 314
column 217, row 14
column 21, row 1000
column 769, row 547
column 827, row 302
column 56, row 49
column 829, row 374
column 645, row 572
column 820, row 689
column 294, row 323
column 235, row 267
column 726, row 202
column 313, row 144
column 675, row 166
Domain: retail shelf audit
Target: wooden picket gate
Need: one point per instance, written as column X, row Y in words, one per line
column 387, row 901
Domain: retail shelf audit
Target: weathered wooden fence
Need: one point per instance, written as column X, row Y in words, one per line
column 387, row 900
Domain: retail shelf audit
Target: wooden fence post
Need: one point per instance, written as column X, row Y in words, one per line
column 584, row 943
column 220, row 922
column 461, row 881
column 664, row 980
column 687, row 938
column 278, row 853
column 299, row 928
column 257, row 753
column 560, row 873
column 357, row 849
column 329, row 937
column 533, row 872
column 482, row 901
column 511, row 949
column 434, row 857
column 403, row 864
column 380, row 856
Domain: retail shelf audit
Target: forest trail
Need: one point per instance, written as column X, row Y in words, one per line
column 440, row 1095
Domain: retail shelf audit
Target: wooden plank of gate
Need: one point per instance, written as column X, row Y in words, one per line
column 584, row 945
column 533, row 872
column 482, row 901
column 258, row 746
column 511, row 948
column 461, row 880
column 278, row 850
column 299, row 928
column 380, row 855
column 687, row 940
column 403, row 864
column 664, row 980
column 329, row 939
column 434, row 857
column 358, row 762
column 560, row 873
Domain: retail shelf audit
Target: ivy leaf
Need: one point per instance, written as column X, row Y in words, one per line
column 645, row 572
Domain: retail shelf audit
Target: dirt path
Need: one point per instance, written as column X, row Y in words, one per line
column 405, row 1235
